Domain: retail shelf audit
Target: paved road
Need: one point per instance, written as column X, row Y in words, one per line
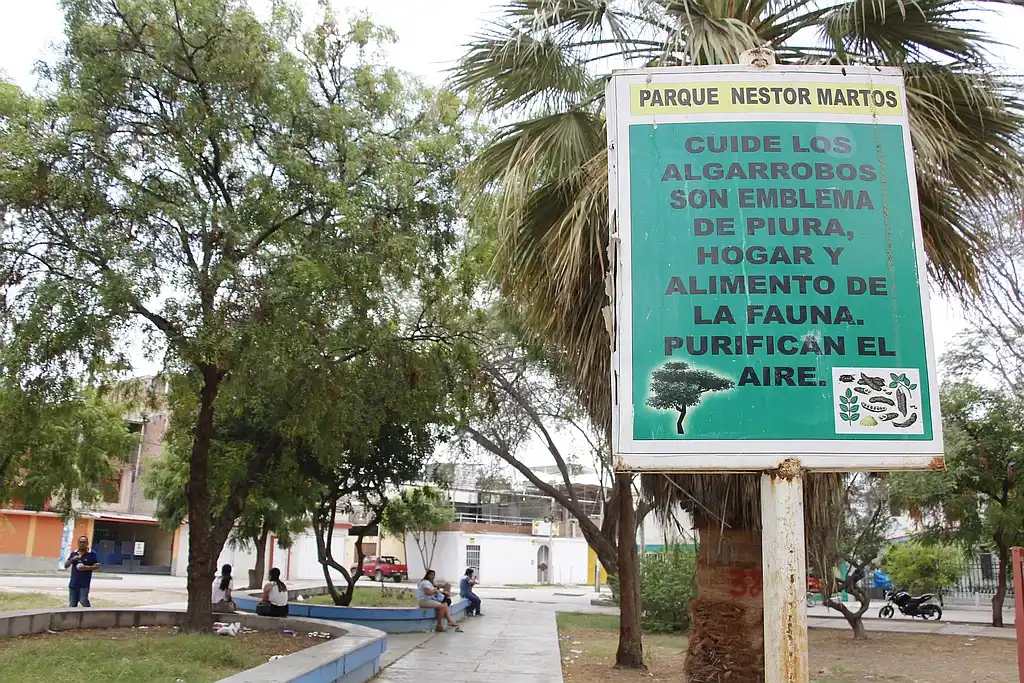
column 512, row 643
column 917, row 626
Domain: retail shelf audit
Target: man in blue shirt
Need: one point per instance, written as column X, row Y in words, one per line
column 466, row 591
column 83, row 563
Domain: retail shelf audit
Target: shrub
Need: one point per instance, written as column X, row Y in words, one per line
column 920, row 568
column 667, row 584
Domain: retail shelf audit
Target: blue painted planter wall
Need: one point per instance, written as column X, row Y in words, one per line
column 387, row 619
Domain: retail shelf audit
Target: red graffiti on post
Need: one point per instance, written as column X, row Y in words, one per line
column 745, row 583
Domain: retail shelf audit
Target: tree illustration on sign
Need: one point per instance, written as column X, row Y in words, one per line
column 677, row 386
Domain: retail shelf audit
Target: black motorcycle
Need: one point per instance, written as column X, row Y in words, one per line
column 911, row 606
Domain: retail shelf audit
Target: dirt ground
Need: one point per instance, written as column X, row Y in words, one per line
column 588, row 656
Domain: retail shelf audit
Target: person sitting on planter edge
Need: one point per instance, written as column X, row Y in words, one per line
column 429, row 597
column 274, row 602
column 466, row 591
column 222, row 586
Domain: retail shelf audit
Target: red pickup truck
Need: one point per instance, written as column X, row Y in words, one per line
column 383, row 567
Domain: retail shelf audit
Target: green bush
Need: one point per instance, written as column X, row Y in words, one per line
column 920, row 568
column 667, row 585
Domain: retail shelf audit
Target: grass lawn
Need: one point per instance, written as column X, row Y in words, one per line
column 589, row 642
column 373, row 596
column 156, row 655
column 16, row 601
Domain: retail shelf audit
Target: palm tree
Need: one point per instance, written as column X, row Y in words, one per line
column 542, row 64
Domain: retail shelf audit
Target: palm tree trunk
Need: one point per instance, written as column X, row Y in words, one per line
column 727, row 635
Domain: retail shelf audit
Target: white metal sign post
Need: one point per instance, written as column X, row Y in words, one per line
column 770, row 305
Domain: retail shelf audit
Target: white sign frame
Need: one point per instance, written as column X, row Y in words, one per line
column 745, row 455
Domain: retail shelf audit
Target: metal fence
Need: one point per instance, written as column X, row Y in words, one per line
column 493, row 519
column 976, row 585
column 979, row 581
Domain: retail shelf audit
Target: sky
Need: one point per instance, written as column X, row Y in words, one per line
column 431, row 36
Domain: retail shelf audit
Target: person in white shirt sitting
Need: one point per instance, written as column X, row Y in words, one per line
column 274, row 602
column 222, row 591
column 430, row 597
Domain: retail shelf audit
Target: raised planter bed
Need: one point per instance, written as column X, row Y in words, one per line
column 387, row 619
column 351, row 656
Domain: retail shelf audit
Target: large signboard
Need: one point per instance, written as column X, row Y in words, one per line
column 770, row 294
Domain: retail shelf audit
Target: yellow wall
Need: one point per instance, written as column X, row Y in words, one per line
column 592, row 564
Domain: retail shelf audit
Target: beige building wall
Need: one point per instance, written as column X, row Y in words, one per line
column 387, row 546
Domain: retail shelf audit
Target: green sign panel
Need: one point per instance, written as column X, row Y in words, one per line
column 770, row 294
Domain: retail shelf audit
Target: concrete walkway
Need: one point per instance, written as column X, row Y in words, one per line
column 510, row 644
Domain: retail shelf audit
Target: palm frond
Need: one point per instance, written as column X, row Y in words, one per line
column 527, row 154
column 894, row 31
column 734, row 500
column 507, row 68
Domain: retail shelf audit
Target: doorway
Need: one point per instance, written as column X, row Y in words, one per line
column 543, row 560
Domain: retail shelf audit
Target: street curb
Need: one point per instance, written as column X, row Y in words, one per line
column 54, row 575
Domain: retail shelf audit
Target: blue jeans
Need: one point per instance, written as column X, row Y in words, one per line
column 474, row 604
column 78, row 595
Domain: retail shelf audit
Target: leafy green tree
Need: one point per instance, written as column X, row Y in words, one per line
column 993, row 340
column 542, row 64
column 842, row 552
column 677, row 386
column 977, row 501
column 59, row 450
column 920, row 568
column 277, row 504
column 269, row 511
column 420, row 512
column 227, row 185
column 404, row 400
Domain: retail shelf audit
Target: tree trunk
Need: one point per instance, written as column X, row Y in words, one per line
column 857, row 624
column 854, row 619
column 1000, row 596
column 679, row 422
column 202, row 550
column 727, row 635
column 259, row 570
column 630, row 654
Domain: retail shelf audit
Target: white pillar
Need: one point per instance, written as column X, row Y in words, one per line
column 785, row 578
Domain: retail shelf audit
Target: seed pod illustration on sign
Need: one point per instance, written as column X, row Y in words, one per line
column 881, row 399
column 901, row 401
column 906, row 423
column 890, row 416
column 876, row 383
column 862, row 390
column 875, row 408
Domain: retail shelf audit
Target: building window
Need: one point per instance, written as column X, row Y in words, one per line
column 473, row 559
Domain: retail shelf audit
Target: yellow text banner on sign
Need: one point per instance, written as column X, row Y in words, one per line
column 743, row 98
